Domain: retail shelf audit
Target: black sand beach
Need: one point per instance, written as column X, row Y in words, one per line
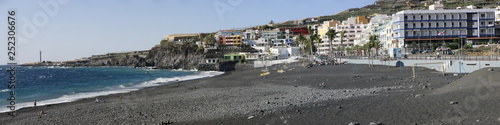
column 380, row 94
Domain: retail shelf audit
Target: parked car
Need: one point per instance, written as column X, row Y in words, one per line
column 415, row 51
column 428, row 51
column 441, row 48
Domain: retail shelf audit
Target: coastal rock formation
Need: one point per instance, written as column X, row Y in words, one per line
column 134, row 58
column 172, row 55
column 123, row 61
column 167, row 55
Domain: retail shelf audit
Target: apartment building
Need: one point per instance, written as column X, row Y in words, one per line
column 427, row 29
column 295, row 30
column 353, row 27
column 229, row 37
column 352, row 33
column 251, row 35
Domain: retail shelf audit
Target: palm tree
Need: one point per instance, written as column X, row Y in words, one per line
column 365, row 48
column 374, row 43
column 302, row 39
column 356, row 47
column 313, row 37
column 309, row 43
column 210, row 39
column 318, row 40
column 331, row 35
column 341, row 44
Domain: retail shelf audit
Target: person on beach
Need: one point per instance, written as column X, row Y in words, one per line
column 96, row 100
column 41, row 112
column 34, row 104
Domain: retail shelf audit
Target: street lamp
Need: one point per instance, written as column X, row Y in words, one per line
column 460, row 54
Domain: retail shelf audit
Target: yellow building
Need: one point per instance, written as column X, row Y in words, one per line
column 237, row 39
column 327, row 25
column 362, row 19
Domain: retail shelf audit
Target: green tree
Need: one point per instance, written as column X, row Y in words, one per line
column 313, row 37
column 373, row 43
column 341, row 44
column 356, row 48
column 210, row 39
column 331, row 35
column 302, row 40
column 194, row 39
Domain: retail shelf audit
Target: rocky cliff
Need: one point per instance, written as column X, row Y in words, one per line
column 172, row 55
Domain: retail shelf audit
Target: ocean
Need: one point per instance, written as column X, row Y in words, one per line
column 51, row 85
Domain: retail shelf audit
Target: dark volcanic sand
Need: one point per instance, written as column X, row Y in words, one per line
column 380, row 94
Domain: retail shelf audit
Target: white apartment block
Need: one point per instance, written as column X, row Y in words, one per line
column 352, row 33
column 426, row 29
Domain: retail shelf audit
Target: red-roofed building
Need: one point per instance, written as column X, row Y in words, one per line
column 296, row 30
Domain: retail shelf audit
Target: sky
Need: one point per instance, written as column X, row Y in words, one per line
column 72, row 29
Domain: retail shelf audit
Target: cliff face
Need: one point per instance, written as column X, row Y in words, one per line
column 170, row 55
column 134, row 58
column 120, row 61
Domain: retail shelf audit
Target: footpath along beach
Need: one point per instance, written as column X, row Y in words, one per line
column 299, row 95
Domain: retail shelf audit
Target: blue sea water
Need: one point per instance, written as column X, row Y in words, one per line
column 51, row 85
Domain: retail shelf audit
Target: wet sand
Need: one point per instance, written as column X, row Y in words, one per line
column 297, row 96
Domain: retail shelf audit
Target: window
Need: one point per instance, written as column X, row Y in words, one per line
column 444, row 16
column 444, row 25
column 482, row 15
column 227, row 57
column 429, row 17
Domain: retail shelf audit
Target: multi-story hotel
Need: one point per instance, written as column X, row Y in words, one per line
column 427, row 29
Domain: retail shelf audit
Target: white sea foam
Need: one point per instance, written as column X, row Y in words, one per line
column 5, row 90
column 160, row 81
column 119, row 89
column 180, row 69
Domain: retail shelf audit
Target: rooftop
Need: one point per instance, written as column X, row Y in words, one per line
column 445, row 11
